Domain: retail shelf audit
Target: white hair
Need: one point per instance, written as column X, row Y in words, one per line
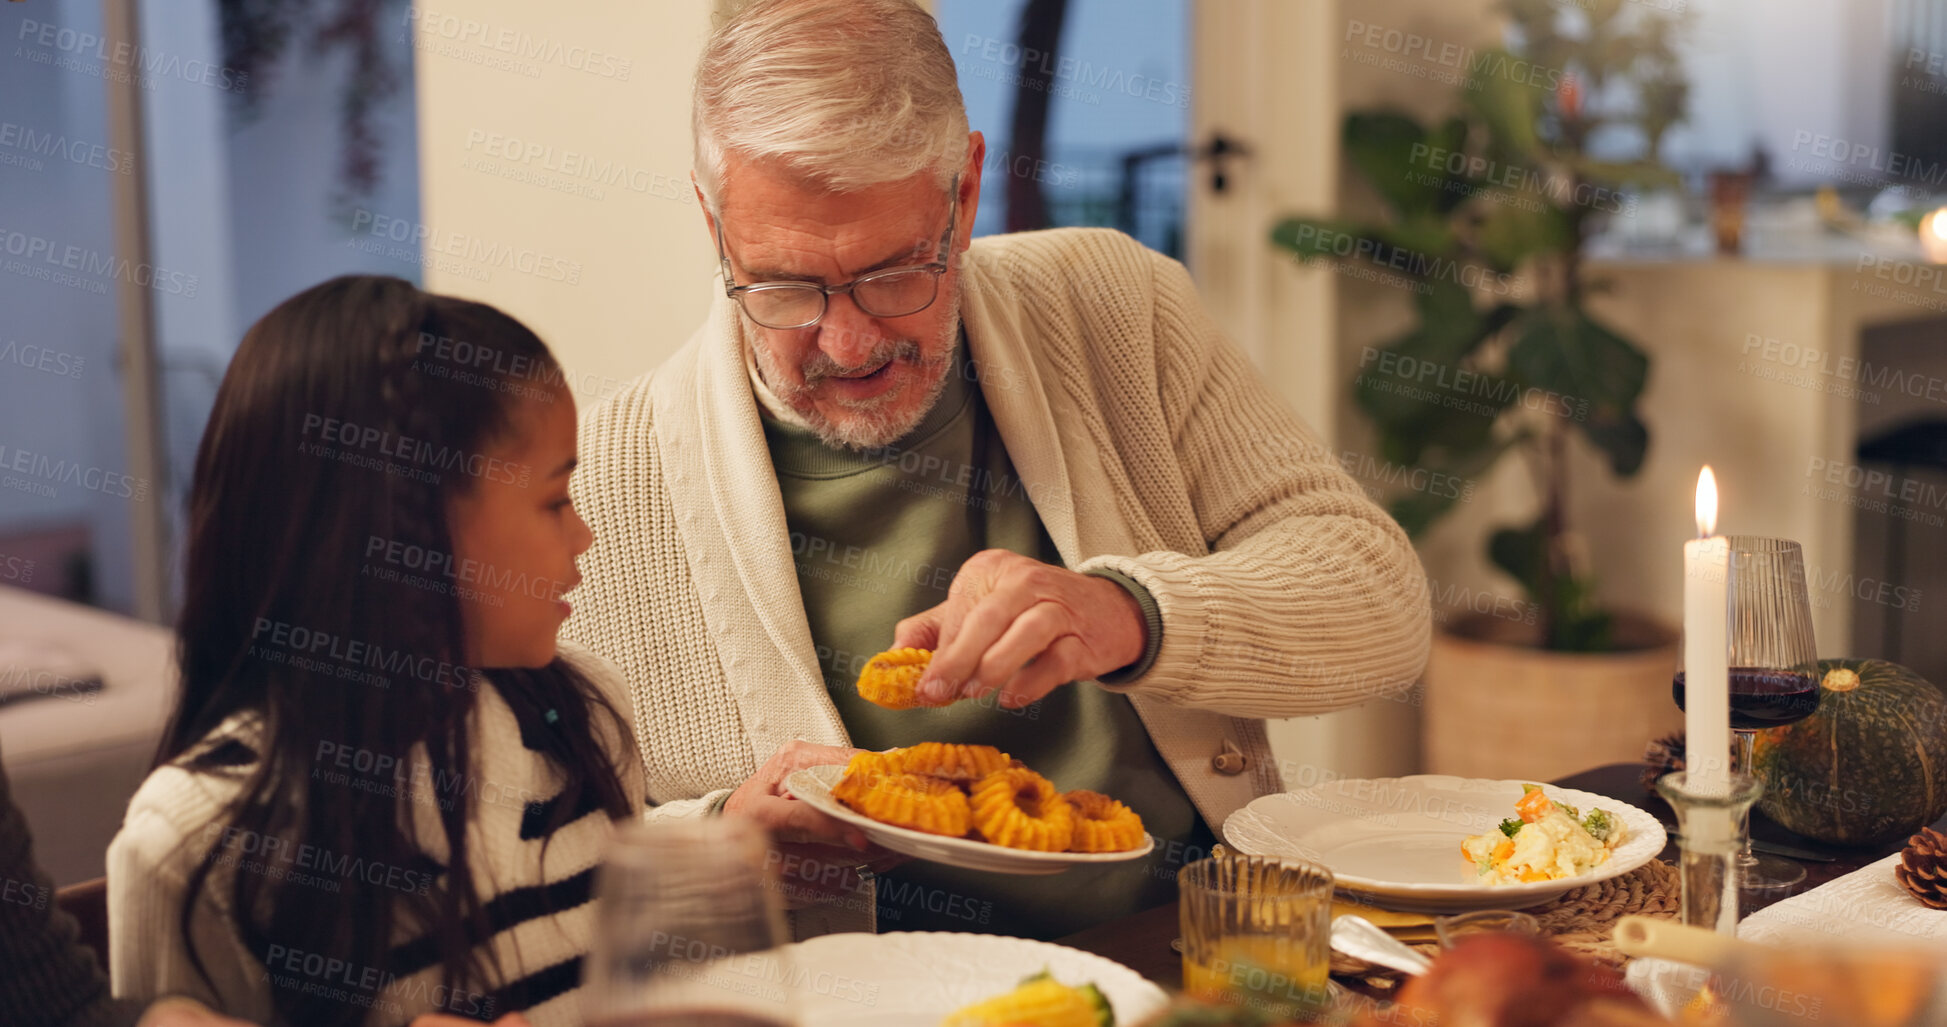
column 844, row 93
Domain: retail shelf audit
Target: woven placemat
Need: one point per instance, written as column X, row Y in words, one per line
column 1579, row 921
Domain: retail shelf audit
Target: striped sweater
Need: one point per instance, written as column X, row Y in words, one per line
column 171, row 824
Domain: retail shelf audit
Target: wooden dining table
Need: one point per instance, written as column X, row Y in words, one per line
column 1141, row 941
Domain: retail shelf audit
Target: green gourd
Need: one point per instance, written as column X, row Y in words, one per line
column 1868, row 767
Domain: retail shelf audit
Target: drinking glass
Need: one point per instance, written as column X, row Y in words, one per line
column 1713, row 832
column 1730, row 193
column 1450, row 929
column 688, row 920
column 1773, row 663
column 1257, row 932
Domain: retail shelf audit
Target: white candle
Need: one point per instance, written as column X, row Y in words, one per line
column 1706, row 651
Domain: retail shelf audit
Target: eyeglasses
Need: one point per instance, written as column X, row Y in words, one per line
column 891, row 292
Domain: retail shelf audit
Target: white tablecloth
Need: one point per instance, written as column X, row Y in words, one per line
column 1865, row 906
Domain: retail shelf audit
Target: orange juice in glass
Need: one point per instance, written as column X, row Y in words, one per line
column 1257, row 932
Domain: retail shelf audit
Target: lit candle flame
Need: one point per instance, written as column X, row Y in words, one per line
column 1933, row 236
column 1706, row 503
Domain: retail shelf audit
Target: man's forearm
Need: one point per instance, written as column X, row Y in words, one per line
column 1306, row 617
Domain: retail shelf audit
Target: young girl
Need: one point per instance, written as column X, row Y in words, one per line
column 383, row 791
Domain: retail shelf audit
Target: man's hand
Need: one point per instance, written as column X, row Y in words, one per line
column 1023, row 627
column 789, row 820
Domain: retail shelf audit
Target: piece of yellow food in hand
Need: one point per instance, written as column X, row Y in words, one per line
column 891, row 679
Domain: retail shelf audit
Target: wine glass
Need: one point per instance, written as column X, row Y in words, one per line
column 1773, row 663
column 688, row 920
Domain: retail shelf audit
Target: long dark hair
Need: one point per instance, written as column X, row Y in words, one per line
column 284, row 620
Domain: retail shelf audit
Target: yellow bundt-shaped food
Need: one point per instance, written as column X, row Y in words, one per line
column 962, row 763
column 1103, row 824
column 1019, row 809
column 909, row 800
column 861, row 773
column 873, row 764
column 891, row 679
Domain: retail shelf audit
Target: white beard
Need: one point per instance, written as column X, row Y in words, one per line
column 870, row 425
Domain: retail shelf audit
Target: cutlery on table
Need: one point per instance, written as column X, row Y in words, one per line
column 1362, row 939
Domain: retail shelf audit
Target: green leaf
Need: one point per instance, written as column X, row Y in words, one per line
column 1423, row 237
column 1522, row 553
column 1390, row 151
column 1452, row 477
column 1410, row 406
column 1511, row 229
column 1420, row 389
column 1577, row 624
column 1588, row 374
column 1508, row 107
column 1104, row 1012
column 1404, row 251
column 1314, row 238
column 1622, row 436
column 1573, row 621
column 1598, row 824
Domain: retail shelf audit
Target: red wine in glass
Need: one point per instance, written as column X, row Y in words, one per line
column 1763, row 697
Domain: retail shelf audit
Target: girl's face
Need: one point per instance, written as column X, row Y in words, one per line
column 515, row 538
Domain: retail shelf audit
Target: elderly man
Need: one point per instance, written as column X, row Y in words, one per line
column 1033, row 454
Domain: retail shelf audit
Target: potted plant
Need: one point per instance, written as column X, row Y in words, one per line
column 1486, row 217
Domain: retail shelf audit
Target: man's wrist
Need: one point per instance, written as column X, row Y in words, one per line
column 1152, row 626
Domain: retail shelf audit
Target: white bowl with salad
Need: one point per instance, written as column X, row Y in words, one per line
column 1434, row 843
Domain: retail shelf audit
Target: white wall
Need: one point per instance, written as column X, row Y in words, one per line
column 254, row 205
column 1313, row 310
column 185, row 135
column 291, row 223
column 51, row 86
column 559, row 134
column 241, row 214
column 1773, row 73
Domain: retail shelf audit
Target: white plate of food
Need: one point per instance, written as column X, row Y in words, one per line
column 814, row 785
column 919, row 977
column 1398, row 841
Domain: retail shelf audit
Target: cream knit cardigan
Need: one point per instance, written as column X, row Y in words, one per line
column 1147, row 443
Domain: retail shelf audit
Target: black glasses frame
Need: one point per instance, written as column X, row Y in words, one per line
column 937, row 267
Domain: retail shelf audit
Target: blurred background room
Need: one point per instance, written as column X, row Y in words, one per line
column 1523, row 265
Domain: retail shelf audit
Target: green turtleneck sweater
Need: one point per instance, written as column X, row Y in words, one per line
column 877, row 537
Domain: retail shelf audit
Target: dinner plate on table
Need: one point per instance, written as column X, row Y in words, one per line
column 814, row 786
column 918, row 977
column 1396, row 841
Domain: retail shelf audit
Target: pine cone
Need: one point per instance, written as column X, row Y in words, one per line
column 1664, row 756
column 1923, row 868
